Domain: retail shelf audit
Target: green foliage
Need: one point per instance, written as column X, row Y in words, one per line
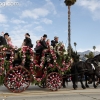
column 6, row 65
column 69, row 2
column 1, row 79
column 94, row 47
column 75, row 55
column 90, row 55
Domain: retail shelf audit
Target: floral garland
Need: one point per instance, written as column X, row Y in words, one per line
column 32, row 62
column 24, row 51
column 4, row 50
column 38, row 80
column 60, row 50
column 3, row 63
column 34, row 66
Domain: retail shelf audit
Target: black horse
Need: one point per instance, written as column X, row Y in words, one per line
column 89, row 68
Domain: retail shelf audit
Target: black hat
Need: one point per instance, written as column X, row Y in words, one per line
column 45, row 35
column 6, row 34
column 28, row 34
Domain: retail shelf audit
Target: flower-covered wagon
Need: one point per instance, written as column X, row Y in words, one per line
column 22, row 67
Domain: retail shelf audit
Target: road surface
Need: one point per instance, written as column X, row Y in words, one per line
column 36, row 93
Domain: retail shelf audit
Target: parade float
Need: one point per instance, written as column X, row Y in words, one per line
column 21, row 67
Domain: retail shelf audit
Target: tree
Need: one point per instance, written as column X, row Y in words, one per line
column 75, row 55
column 90, row 55
column 69, row 3
column 75, row 45
column 94, row 47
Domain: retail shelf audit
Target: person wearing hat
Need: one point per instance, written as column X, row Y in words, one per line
column 54, row 42
column 43, row 41
column 42, row 45
column 2, row 39
column 9, row 42
column 27, row 41
column 8, row 39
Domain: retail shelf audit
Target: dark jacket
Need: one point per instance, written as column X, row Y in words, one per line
column 28, row 42
column 2, row 41
column 43, row 43
column 53, row 43
column 41, row 47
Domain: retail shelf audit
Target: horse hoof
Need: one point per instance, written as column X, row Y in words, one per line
column 83, row 87
column 87, row 86
column 95, row 86
column 64, row 86
column 75, row 88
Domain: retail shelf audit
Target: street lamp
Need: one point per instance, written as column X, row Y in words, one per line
column 69, row 3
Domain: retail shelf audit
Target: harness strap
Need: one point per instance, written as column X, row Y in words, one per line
column 92, row 66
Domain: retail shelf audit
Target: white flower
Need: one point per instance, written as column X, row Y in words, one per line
column 51, row 47
column 65, row 52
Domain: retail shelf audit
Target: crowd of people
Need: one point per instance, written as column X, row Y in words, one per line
column 41, row 44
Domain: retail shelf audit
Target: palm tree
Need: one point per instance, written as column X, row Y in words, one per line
column 94, row 47
column 75, row 45
column 69, row 3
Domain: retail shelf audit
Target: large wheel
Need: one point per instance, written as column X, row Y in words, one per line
column 54, row 81
column 17, row 80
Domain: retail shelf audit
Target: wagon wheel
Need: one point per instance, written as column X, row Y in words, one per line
column 17, row 79
column 54, row 81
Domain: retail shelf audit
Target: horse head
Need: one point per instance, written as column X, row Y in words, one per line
column 97, row 58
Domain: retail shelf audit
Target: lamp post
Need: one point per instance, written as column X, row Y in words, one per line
column 69, row 3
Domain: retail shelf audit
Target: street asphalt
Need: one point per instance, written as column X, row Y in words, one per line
column 36, row 93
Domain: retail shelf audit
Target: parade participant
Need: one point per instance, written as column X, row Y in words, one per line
column 8, row 39
column 38, row 43
column 27, row 41
column 2, row 39
column 41, row 44
column 43, row 41
column 9, row 43
column 54, row 42
column 48, row 43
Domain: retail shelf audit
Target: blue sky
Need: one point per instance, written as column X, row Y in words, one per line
column 39, row 17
